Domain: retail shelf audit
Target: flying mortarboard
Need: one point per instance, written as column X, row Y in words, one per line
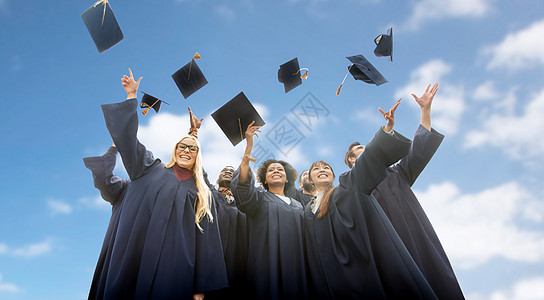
column 189, row 78
column 289, row 74
column 362, row 69
column 102, row 25
column 148, row 102
column 384, row 44
column 235, row 116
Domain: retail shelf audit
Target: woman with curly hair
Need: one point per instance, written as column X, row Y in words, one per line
column 276, row 261
column 165, row 242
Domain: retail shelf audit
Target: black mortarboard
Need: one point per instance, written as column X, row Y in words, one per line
column 149, row 101
column 102, row 25
column 384, row 44
column 289, row 74
column 189, row 78
column 234, row 117
column 362, row 69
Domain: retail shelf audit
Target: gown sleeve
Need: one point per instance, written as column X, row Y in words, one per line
column 423, row 148
column 246, row 194
column 370, row 168
column 122, row 122
column 110, row 186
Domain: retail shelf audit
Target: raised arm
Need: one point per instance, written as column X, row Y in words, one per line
column 386, row 148
column 425, row 103
column 122, row 122
column 110, row 186
column 244, row 165
column 426, row 140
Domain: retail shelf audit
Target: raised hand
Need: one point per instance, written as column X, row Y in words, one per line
column 130, row 86
column 390, row 116
column 251, row 131
column 195, row 122
column 427, row 98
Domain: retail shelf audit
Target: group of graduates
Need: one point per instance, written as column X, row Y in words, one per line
column 174, row 235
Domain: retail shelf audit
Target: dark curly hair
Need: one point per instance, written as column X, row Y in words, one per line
column 289, row 171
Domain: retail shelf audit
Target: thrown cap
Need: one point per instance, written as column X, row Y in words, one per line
column 102, row 25
column 235, row 116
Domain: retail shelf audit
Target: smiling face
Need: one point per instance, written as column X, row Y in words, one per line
column 321, row 175
column 225, row 177
column 186, row 152
column 275, row 175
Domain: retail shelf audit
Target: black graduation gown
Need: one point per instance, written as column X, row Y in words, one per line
column 233, row 230
column 111, row 189
column 276, row 261
column 400, row 204
column 299, row 195
column 353, row 251
column 156, row 250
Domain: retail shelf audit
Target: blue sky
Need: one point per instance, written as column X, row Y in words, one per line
column 482, row 190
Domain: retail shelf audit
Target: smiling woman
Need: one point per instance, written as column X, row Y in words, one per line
column 164, row 243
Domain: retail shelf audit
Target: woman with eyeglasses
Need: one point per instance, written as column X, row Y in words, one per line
column 165, row 244
column 353, row 251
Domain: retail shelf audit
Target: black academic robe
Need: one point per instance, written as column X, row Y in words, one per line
column 233, row 230
column 155, row 250
column 112, row 189
column 276, row 261
column 299, row 195
column 400, row 204
column 353, row 251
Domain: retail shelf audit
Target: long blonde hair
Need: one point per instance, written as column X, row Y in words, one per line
column 203, row 202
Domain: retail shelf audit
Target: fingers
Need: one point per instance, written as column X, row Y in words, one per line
column 427, row 90
column 250, row 124
column 130, row 71
column 415, row 97
column 383, row 112
column 138, row 82
column 434, row 89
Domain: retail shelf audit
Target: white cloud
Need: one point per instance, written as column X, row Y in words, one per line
column 448, row 104
column 225, row 12
column 514, row 134
column 430, row 10
column 526, row 289
column 370, row 115
column 475, row 228
column 522, row 49
column 27, row 251
column 486, row 91
column 95, row 202
column 8, row 287
column 58, row 207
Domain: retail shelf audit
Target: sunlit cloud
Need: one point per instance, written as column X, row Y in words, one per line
column 27, row 251
column 512, row 132
column 525, row 289
column 8, row 287
column 59, row 208
column 448, row 104
column 225, row 12
column 433, row 10
column 474, row 228
column 518, row 50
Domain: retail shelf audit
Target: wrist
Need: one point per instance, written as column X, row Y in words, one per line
column 131, row 95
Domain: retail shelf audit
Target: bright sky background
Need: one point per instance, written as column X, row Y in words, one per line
column 482, row 190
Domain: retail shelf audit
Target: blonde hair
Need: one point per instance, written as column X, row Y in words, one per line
column 203, row 202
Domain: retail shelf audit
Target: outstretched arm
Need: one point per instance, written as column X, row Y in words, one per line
column 244, row 165
column 425, row 103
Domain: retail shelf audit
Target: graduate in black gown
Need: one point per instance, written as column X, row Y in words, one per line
column 306, row 192
column 353, row 250
column 165, row 242
column 233, row 230
column 276, row 261
column 400, row 204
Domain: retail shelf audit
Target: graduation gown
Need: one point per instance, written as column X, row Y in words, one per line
column 353, row 251
column 155, row 250
column 400, row 204
column 299, row 195
column 276, row 261
column 233, row 230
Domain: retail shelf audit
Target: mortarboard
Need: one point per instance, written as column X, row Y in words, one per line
column 149, row 101
column 234, row 117
column 102, row 25
column 189, row 78
column 384, row 44
column 289, row 74
column 362, row 69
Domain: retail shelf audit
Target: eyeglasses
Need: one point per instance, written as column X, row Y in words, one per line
column 192, row 149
